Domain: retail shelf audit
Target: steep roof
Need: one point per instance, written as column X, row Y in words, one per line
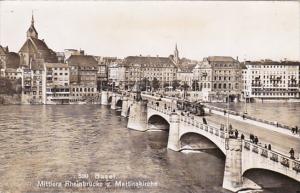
column 221, row 59
column 56, row 65
column 40, row 48
column 82, row 61
column 3, row 50
column 147, row 61
column 13, row 60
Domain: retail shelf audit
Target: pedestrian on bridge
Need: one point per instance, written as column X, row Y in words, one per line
column 296, row 129
column 256, row 140
column 236, row 133
column 252, row 138
column 269, row 147
column 242, row 137
column 293, row 130
column 292, row 152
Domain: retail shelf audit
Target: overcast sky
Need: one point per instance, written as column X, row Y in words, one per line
column 250, row 30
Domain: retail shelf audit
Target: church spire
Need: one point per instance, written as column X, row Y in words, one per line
column 32, row 19
column 176, row 55
column 31, row 32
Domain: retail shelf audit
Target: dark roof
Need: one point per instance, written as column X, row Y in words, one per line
column 82, row 60
column 221, row 59
column 243, row 66
column 147, row 61
column 39, row 47
column 187, row 67
column 3, row 50
column 13, row 60
column 37, row 65
column 270, row 62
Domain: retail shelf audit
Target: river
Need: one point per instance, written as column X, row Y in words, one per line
column 59, row 143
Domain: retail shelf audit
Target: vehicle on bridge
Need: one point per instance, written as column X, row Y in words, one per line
column 195, row 108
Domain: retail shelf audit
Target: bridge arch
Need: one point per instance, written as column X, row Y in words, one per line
column 159, row 122
column 271, row 173
column 205, row 137
column 119, row 103
column 219, row 142
column 109, row 99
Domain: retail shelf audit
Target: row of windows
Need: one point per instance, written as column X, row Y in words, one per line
column 275, row 94
column 83, row 89
column 84, row 94
column 225, row 86
column 66, row 74
column 272, row 66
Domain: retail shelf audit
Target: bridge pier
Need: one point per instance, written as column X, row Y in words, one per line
column 138, row 116
column 233, row 179
column 113, row 101
column 124, row 107
column 173, row 141
column 104, row 98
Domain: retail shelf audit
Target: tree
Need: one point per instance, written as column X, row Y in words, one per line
column 144, row 84
column 166, row 85
column 175, row 84
column 7, row 86
column 155, row 83
column 185, row 86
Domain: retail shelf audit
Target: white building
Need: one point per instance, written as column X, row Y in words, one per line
column 57, row 83
column 271, row 80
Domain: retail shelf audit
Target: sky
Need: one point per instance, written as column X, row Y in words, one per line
column 248, row 30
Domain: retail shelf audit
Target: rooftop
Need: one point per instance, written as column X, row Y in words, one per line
column 148, row 61
column 82, row 60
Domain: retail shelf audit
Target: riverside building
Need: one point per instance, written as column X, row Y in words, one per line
column 269, row 79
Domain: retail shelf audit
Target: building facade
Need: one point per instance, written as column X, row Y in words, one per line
column 57, row 83
column 271, row 80
column 137, row 68
column 33, row 54
column 83, row 78
column 219, row 77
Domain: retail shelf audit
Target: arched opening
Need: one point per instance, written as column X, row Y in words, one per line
column 272, row 181
column 128, row 111
column 119, row 103
column 156, row 122
column 109, row 99
column 198, row 142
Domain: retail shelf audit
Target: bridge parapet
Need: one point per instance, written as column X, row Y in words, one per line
column 255, row 156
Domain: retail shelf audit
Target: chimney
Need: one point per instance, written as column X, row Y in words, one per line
column 237, row 58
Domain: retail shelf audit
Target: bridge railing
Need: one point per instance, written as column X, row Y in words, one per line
column 207, row 128
column 167, row 110
column 249, row 117
column 274, row 156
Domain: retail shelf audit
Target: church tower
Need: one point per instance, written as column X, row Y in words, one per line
column 176, row 55
column 31, row 32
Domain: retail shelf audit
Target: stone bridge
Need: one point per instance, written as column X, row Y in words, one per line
column 241, row 155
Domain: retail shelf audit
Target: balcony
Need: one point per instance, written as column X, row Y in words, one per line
column 256, row 85
column 293, row 85
column 26, row 89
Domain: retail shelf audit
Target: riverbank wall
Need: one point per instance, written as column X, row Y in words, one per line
column 14, row 99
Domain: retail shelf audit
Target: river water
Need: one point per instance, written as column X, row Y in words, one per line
column 42, row 145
